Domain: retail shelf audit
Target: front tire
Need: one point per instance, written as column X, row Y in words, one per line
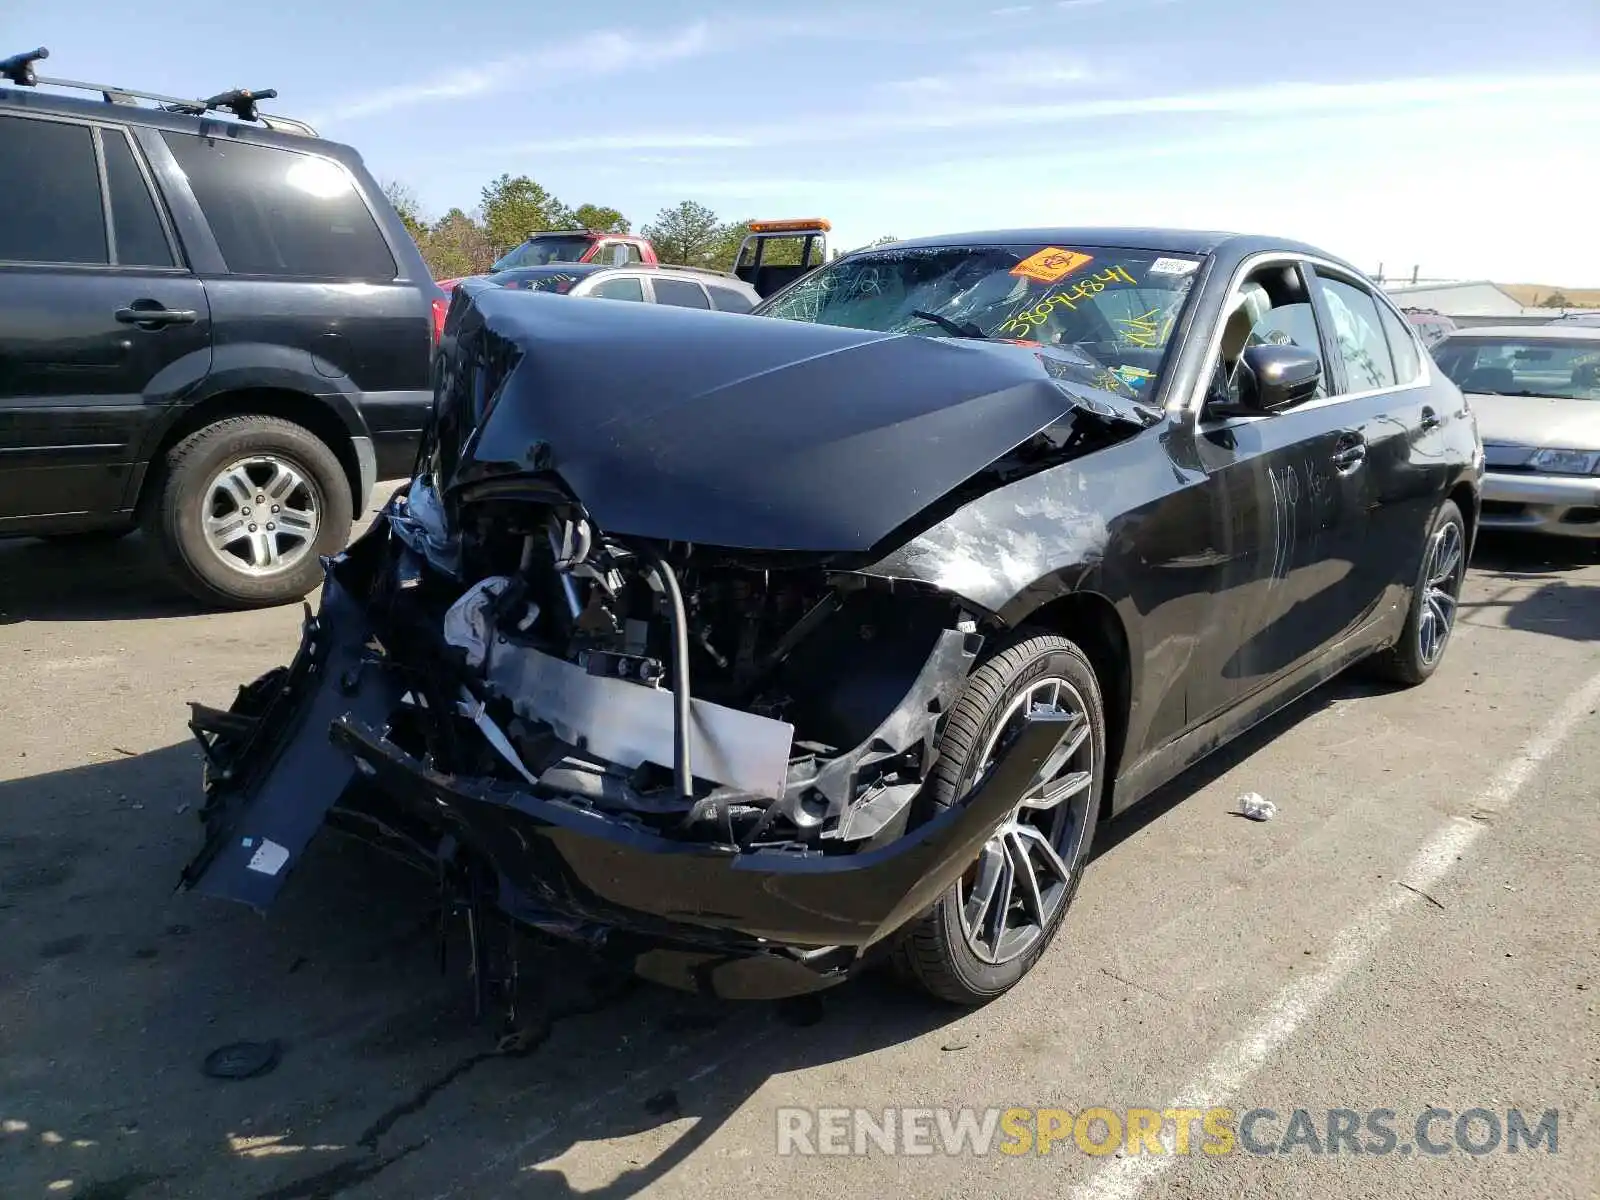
column 1434, row 602
column 995, row 922
column 245, row 509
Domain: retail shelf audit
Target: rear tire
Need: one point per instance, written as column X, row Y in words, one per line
column 1435, row 598
column 245, row 508
column 955, row 951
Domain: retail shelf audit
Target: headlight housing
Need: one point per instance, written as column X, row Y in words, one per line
column 1565, row 462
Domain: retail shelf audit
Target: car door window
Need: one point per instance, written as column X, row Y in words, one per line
column 1271, row 308
column 682, row 293
column 620, row 287
column 1402, row 346
column 1358, row 332
column 58, row 216
column 728, row 300
column 141, row 240
column 279, row 212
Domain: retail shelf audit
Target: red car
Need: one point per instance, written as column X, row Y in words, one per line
column 575, row 246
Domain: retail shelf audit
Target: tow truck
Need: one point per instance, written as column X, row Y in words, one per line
column 768, row 272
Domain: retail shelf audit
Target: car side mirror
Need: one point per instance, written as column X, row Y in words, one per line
column 1272, row 378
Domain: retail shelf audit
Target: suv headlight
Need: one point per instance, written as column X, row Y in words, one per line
column 1565, row 462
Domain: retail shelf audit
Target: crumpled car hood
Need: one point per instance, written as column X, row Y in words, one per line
column 738, row 431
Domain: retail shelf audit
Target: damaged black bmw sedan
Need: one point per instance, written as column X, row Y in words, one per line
column 752, row 649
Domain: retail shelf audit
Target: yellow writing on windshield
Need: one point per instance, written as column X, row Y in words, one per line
column 1031, row 318
column 1147, row 330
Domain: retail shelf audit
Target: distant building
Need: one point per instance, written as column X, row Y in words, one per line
column 1476, row 298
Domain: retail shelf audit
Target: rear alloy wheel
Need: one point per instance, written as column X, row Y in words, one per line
column 1434, row 603
column 246, row 509
column 989, row 929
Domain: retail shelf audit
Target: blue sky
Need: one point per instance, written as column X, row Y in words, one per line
column 1457, row 136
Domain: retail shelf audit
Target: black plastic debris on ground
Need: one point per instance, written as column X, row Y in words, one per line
column 242, row 1060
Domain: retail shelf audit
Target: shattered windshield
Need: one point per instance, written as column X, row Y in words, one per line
column 1567, row 370
column 1116, row 305
column 537, row 251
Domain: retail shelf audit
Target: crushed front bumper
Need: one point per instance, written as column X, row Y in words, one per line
column 309, row 741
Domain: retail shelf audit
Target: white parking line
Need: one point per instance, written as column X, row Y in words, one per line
column 1123, row 1178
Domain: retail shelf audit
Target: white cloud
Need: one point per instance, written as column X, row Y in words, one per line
column 1275, row 100
column 989, row 74
column 600, row 53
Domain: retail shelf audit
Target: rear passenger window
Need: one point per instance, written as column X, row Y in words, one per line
column 141, row 242
column 279, row 212
column 1402, row 344
column 52, row 208
column 679, row 292
column 728, row 300
column 1359, row 333
column 623, row 287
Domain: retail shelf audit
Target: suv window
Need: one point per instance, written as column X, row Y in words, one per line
column 58, row 217
column 1402, row 345
column 619, row 287
column 1358, row 331
column 141, row 241
column 279, row 212
column 680, row 292
column 728, row 300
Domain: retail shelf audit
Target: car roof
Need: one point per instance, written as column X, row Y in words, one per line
column 1542, row 333
column 1163, row 240
column 44, row 103
column 555, row 268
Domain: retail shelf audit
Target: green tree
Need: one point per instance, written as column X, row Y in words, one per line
column 405, row 204
column 1555, row 300
column 456, row 245
column 515, row 207
column 689, row 234
column 596, row 216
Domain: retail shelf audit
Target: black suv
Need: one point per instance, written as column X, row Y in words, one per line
column 213, row 327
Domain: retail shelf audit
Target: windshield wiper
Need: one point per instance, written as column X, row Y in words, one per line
column 966, row 329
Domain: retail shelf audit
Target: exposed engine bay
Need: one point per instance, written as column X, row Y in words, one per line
column 704, row 695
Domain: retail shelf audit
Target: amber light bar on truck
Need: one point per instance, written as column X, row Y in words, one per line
column 800, row 225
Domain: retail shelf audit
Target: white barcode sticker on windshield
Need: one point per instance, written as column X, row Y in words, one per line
column 1173, row 266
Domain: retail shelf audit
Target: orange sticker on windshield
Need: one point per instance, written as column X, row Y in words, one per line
column 1050, row 264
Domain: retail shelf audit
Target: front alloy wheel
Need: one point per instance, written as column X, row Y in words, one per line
column 1015, row 890
column 992, row 925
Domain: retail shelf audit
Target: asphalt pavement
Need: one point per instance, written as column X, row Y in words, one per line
column 1415, row 932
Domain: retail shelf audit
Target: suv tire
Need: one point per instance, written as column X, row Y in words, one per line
column 245, row 508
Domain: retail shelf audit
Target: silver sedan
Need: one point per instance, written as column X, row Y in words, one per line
column 1536, row 393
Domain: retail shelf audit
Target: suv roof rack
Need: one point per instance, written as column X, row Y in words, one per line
column 241, row 102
